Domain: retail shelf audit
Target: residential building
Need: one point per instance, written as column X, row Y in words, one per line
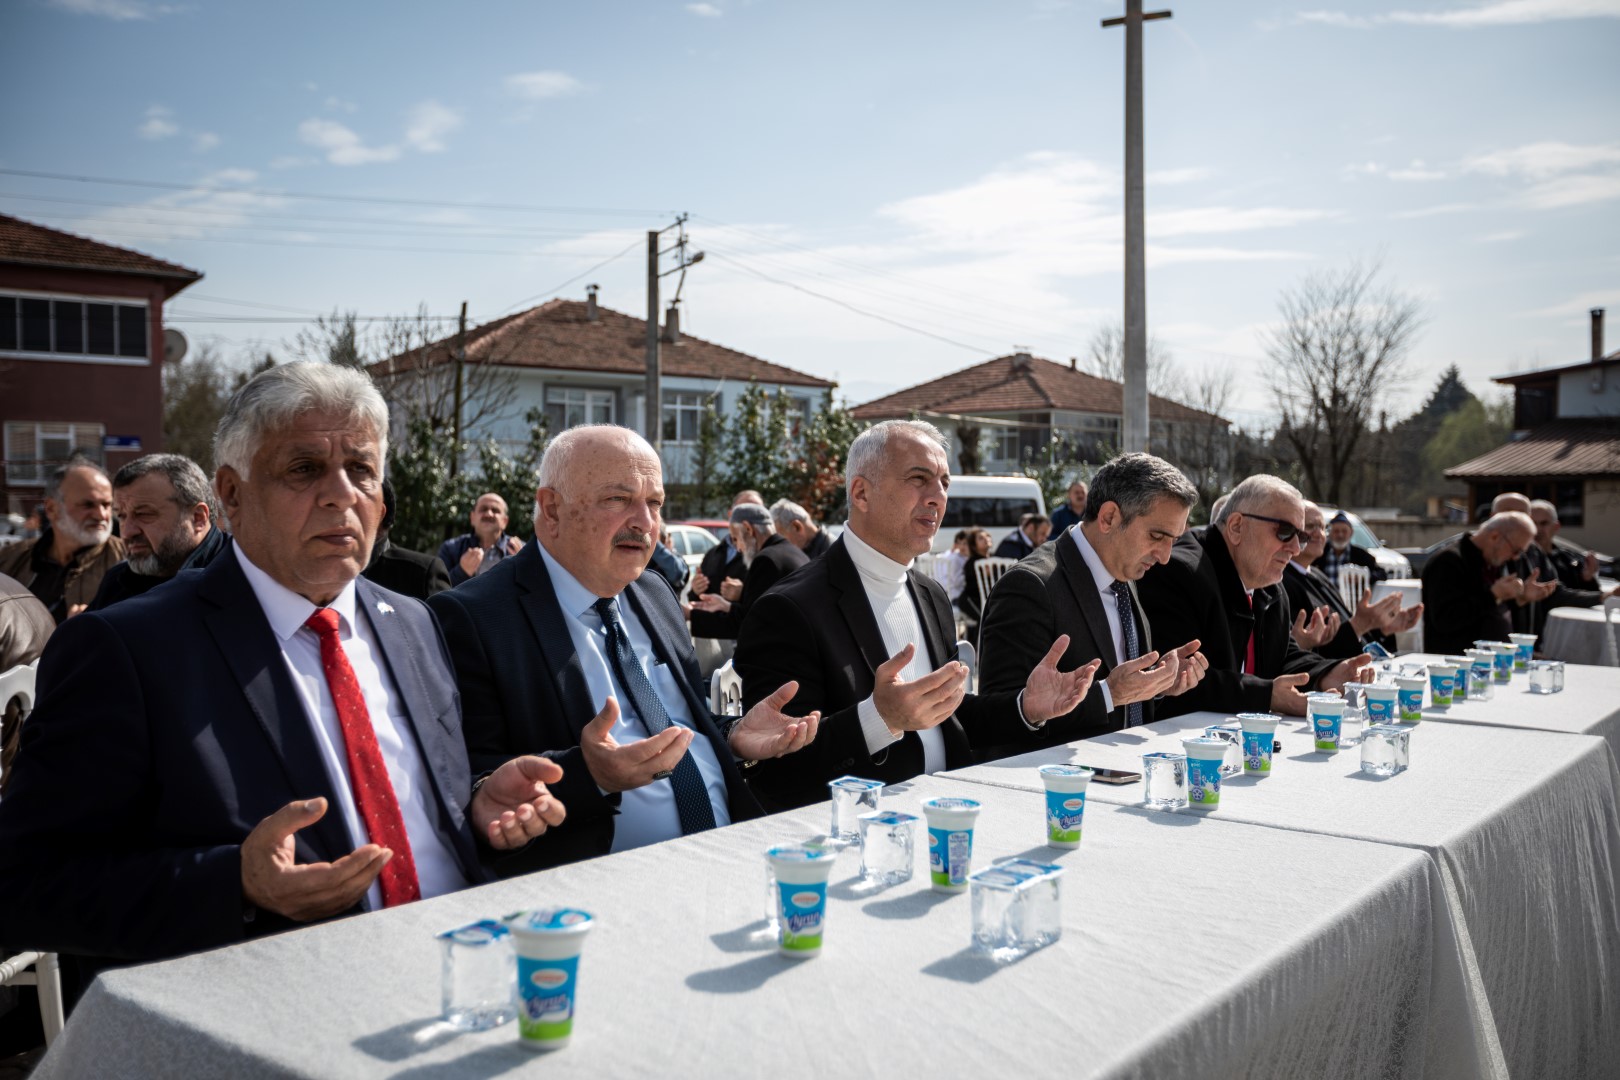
column 580, row 362
column 1565, row 446
column 81, row 353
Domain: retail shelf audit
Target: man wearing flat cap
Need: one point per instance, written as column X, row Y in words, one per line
column 768, row 555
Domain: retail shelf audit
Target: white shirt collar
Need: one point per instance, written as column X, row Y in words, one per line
column 871, row 562
column 286, row 611
column 1094, row 563
column 1302, row 569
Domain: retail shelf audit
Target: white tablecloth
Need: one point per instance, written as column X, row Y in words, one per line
column 1576, row 635
column 1191, row 948
column 1524, row 825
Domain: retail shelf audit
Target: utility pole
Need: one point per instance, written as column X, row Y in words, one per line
column 1134, row 426
column 461, row 363
column 654, row 410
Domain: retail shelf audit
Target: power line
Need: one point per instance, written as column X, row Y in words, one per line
column 378, row 199
column 584, row 273
column 344, row 246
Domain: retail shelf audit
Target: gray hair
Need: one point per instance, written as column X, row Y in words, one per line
column 274, row 398
column 1217, row 508
column 1256, row 492
column 1508, row 498
column 1134, row 482
column 190, row 483
column 1508, row 519
column 871, row 447
column 1543, row 504
column 785, row 512
column 558, row 459
column 53, row 483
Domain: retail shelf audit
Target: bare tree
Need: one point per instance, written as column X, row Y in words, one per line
column 414, row 367
column 1336, row 356
column 1202, row 448
column 1105, row 358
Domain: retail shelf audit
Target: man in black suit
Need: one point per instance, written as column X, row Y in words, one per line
column 1538, row 570
column 1083, row 585
column 1032, row 531
column 1469, row 589
column 871, row 642
column 410, row 573
column 570, row 650
column 261, row 743
column 768, row 556
column 1224, row 590
column 1323, row 622
column 722, row 568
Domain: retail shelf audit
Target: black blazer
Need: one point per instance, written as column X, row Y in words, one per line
column 1198, row 594
column 817, row 627
column 776, row 559
column 168, row 726
column 717, row 566
column 1046, row 595
column 1458, row 607
column 1311, row 590
column 523, row 692
column 1015, row 545
column 409, row 573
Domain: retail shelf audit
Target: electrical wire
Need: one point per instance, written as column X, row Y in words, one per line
column 563, row 285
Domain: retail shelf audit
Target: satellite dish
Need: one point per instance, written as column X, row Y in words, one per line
column 174, row 346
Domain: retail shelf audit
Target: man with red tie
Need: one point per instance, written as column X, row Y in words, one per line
column 1223, row 589
column 262, row 743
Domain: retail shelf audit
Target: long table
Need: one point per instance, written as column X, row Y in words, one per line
column 1191, row 948
column 1523, row 825
column 1588, row 705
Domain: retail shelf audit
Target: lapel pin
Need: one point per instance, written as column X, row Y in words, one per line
column 385, row 607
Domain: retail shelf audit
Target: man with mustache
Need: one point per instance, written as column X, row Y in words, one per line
column 167, row 517
column 768, row 556
column 571, row 650
column 65, row 564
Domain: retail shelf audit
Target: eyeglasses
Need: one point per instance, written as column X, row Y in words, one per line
column 1287, row 531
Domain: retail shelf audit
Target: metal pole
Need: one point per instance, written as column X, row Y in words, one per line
column 655, row 396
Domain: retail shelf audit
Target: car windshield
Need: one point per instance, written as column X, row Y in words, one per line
column 1360, row 535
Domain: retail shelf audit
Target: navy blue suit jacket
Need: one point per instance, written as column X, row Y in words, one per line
column 167, row 727
column 523, row 691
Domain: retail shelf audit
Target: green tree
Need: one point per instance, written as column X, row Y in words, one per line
column 514, row 478
column 195, row 390
column 816, row 478
column 759, row 439
column 1474, row 429
column 708, row 458
column 430, row 505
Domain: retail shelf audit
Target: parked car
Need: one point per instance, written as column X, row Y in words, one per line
column 994, row 503
column 1393, row 563
column 1419, row 556
column 719, row 528
column 691, row 541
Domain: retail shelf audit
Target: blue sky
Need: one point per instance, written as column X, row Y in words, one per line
column 954, row 167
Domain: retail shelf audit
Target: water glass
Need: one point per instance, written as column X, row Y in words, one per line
column 478, row 976
column 1558, row 675
column 888, row 847
column 851, row 797
column 1385, row 749
column 1543, row 677
column 1164, row 779
column 1016, row 908
column 1479, row 683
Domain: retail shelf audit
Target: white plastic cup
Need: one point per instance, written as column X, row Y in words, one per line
column 1065, row 803
column 1505, row 652
column 950, row 842
column 1204, row 758
column 547, row 942
column 1383, row 703
column 1442, row 683
column 1524, row 647
column 1259, row 734
column 801, row 887
column 1326, row 714
column 1410, row 691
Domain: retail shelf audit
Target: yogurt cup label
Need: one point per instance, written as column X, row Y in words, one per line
column 1065, row 811
column 1257, row 751
column 1204, row 782
column 950, row 854
column 804, row 910
column 1326, row 729
column 546, row 998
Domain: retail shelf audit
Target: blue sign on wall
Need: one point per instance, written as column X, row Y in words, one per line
column 120, row 442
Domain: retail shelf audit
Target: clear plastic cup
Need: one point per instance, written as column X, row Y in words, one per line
column 548, row 943
column 851, row 797
column 888, row 847
column 1204, row 759
column 1065, row 803
column 1259, row 733
column 801, row 888
column 478, row 971
column 950, row 842
column 1164, row 784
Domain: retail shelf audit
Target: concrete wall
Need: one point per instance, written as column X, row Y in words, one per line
column 1411, row 532
column 1577, row 396
column 1601, row 529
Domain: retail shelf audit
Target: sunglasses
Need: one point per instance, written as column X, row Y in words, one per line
column 1286, row 530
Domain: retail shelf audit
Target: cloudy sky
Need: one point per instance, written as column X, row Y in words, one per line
column 886, row 191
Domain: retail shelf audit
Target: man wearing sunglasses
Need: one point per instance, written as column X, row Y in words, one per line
column 1224, row 589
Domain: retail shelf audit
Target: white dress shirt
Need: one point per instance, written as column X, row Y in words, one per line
column 437, row 870
column 885, row 583
column 1110, row 604
column 647, row 814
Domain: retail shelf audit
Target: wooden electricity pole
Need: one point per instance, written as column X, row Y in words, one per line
column 1134, row 423
column 461, row 364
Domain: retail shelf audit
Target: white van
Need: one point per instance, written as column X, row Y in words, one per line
column 994, row 503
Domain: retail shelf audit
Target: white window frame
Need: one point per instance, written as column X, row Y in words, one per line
column 587, row 398
column 20, row 353
column 675, row 404
column 31, row 471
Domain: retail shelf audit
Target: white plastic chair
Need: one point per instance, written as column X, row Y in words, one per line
column 1354, row 582
column 38, row 970
column 19, row 683
column 1610, row 606
column 924, row 564
column 988, row 571
column 726, row 691
column 967, row 654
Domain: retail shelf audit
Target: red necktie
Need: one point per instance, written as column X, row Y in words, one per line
column 1248, row 664
column 368, row 775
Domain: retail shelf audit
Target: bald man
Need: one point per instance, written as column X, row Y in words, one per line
column 1468, row 590
column 1535, row 565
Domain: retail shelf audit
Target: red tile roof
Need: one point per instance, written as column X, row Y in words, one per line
column 1019, row 383
column 558, row 336
column 1572, row 447
column 26, row 244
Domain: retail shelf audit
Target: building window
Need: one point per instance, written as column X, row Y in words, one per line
column 1568, row 495
column 1535, row 403
column 568, row 406
column 34, row 449
column 683, row 415
column 61, row 328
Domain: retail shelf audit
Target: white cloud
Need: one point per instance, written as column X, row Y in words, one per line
column 117, row 10
column 291, row 161
column 1538, row 161
column 342, row 146
column 159, row 124
column 337, row 104
column 213, row 204
column 234, row 175
column 1502, row 237
column 707, row 11
column 1573, row 191
column 204, row 141
column 1493, row 13
column 428, row 124
column 1417, row 170
column 539, row 85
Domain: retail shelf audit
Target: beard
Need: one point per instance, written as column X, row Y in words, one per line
column 166, row 560
column 82, row 536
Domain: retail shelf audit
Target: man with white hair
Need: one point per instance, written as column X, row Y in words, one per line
column 1544, row 589
column 768, row 556
column 65, row 564
column 799, row 528
column 570, row 650
column 1469, row 592
column 266, row 742
column 1224, row 589
column 1573, row 570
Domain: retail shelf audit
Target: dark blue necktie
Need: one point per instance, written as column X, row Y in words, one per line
column 691, row 795
column 1127, row 623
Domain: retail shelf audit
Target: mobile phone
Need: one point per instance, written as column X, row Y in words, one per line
column 1113, row 776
